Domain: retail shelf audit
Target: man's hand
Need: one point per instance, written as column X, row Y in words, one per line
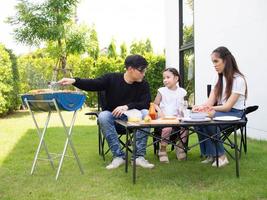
column 117, row 112
column 66, row 81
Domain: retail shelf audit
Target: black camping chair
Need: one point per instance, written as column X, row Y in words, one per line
column 243, row 131
column 243, row 128
column 102, row 105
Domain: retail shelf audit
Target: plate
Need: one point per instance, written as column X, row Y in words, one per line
column 198, row 115
column 188, row 119
column 169, row 117
column 226, row 118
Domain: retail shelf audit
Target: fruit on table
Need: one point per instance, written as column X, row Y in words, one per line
column 147, row 119
column 134, row 119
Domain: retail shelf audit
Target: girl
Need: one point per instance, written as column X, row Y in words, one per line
column 166, row 103
column 227, row 98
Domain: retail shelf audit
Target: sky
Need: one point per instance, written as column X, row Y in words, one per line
column 122, row 20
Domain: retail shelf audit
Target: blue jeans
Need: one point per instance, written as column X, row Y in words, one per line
column 107, row 124
column 208, row 147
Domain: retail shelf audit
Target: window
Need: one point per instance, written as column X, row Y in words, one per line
column 186, row 48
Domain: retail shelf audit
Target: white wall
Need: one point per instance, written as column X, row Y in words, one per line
column 172, row 33
column 241, row 26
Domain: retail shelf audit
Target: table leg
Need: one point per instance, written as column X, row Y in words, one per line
column 126, row 154
column 236, row 155
column 216, row 148
column 134, row 156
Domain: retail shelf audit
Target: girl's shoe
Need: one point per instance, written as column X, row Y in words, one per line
column 180, row 153
column 163, row 157
column 209, row 159
column 221, row 162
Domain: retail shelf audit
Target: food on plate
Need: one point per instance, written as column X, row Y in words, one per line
column 134, row 119
column 147, row 119
column 169, row 117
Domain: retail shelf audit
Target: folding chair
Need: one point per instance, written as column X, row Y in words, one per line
column 102, row 105
column 243, row 130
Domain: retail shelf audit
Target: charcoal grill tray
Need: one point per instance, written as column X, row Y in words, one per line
column 68, row 101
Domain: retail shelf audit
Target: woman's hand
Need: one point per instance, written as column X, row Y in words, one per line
column 204, row 108
column 66, row 81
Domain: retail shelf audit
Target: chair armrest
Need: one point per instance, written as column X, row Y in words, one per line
column 92, row 113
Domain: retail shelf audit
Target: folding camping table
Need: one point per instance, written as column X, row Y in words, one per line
column 186, row 125
column 50, row 105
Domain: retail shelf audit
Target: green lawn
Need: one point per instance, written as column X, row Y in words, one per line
column 178, row 180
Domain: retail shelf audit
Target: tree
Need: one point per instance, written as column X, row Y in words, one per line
column 148, row 46
column 16, row 79
column 123, row 48
column 112, row 49
column 93, row 47
column 50, row 21
column 140, row 47
column 6, row 81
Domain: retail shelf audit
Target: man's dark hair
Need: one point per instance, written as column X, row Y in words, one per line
column 135, row 61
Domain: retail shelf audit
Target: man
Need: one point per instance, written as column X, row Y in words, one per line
column 124, row 91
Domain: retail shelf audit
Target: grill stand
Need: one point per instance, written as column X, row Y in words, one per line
column 41, row 135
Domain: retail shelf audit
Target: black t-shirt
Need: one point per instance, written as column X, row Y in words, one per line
column 118, row 91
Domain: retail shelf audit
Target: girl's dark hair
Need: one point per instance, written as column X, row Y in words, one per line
column 230, row 70
column 174, row 72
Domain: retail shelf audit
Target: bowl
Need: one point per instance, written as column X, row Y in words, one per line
column 198, row 115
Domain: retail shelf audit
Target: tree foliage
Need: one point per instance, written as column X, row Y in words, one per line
column 6, row 83
column 141, row 47
column 112, row 49
column 52, row 22
column 124, row 50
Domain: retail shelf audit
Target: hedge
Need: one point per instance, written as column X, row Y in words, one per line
column 8, row 84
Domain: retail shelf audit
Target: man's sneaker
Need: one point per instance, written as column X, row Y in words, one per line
column 209, row 159
column 142, row 162
column 116, row 162
column 221, row 162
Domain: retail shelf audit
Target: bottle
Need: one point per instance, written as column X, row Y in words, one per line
column 186, row 111
column 152, row 111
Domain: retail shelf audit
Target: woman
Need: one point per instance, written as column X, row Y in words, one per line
column 227, row 98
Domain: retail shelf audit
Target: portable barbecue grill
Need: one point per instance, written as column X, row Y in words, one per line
column 54, row 101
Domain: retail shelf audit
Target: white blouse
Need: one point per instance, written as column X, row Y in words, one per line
column 171, row 99
column 239, row 87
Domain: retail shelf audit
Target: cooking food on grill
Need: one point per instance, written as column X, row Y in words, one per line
column 42, row 99
column 44, row 91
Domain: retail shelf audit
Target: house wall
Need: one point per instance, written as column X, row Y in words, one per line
column 172, row 33
column 241, row 26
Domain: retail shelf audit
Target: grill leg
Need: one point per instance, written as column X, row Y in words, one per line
column 41, row 137
column 68, row 141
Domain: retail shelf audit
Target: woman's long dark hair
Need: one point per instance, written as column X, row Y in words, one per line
column 230, row 70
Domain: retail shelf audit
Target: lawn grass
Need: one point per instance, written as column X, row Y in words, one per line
column 178, row 180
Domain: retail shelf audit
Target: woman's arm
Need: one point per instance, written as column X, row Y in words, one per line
column 207, row 105
column 211, row 100
column 228, row 105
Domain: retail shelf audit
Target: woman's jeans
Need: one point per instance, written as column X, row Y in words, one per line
column 208, row 147
column 107, row 124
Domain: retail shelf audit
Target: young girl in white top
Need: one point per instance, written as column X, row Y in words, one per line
column 227, row 98
column 167, row 103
